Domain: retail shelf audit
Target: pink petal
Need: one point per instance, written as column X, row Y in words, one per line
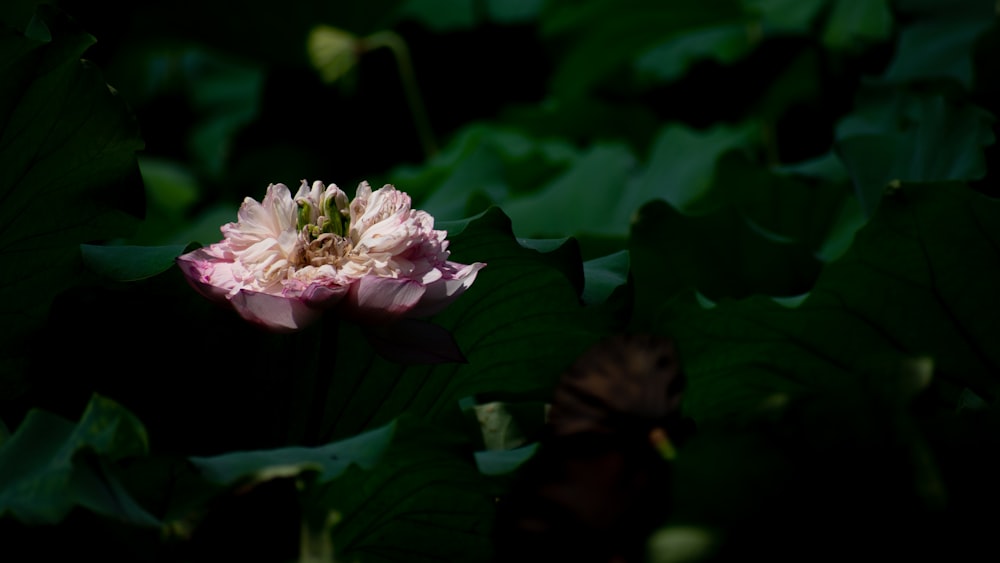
column 197, row 267
column 274, row 312
column 374, row 298
column 320, row 296
column 446, row 289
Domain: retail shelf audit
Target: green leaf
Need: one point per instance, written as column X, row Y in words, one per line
column 721, row 255
column 939, row 44
column 854, row 21
column 587, row 198
column 171, row 191
column 796, row 16
column 938, row 141
column 329, row 461
column 68, row 172
column 502, row 462
column 682, row 166
column 482, row 161
column 917, row 283
column 50, row 465
column 440, row 15
column 604, row 275
column 426, row 501
column 608, row 35
column 227, row 92
column 514, row 11
column 670, row 60
column 761, row 233
column 130, row 263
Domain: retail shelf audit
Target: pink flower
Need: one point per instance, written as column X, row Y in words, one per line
column 286, row 259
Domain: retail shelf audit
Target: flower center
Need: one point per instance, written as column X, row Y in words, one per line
column 322, row 249
column 321, row 233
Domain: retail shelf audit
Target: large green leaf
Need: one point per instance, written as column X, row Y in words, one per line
column 425, row 501
column 759, row 231
column 589, row 197
column 897, row 136
column 915, row 289
column 51, row 465
column 682, row 166
column 328, row 461
column 130, row 263
column 68, row 171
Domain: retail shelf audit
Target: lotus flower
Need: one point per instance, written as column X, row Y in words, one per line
column 287, row 260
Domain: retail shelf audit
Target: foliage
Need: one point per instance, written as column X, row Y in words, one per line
column 802, row 194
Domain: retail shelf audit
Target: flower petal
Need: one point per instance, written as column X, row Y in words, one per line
column 274, row 312
column 319, row 296
column 198, row 267
column 375, row 298
column 444, row 290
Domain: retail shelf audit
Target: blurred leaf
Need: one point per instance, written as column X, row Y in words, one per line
column 787, row 15
column 780, row 206
column 483, row 160
column 514, row 11
column 170, row 187
column 68, row 172
column 130, row 263
column 441, row 15
column 452, row 15
column 720, row 255
column 604, row 275
column 45, row 468
column 226, row 92
column 670, row 60
column 856, row 21
column 938, row 48
column 587, row 198
column 900, row 137
column 848, row 220
column 502, row 462
column 918, row 282
column 761, row 233
column 682, row 166
column 560, row 118
column 604, row 36
column 18, row 14
column 171, row 191
column 826, row 167
column 799, row 82
column 204, row 228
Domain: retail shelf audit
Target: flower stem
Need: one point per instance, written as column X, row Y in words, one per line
column 395, row 43
column 329, row 327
